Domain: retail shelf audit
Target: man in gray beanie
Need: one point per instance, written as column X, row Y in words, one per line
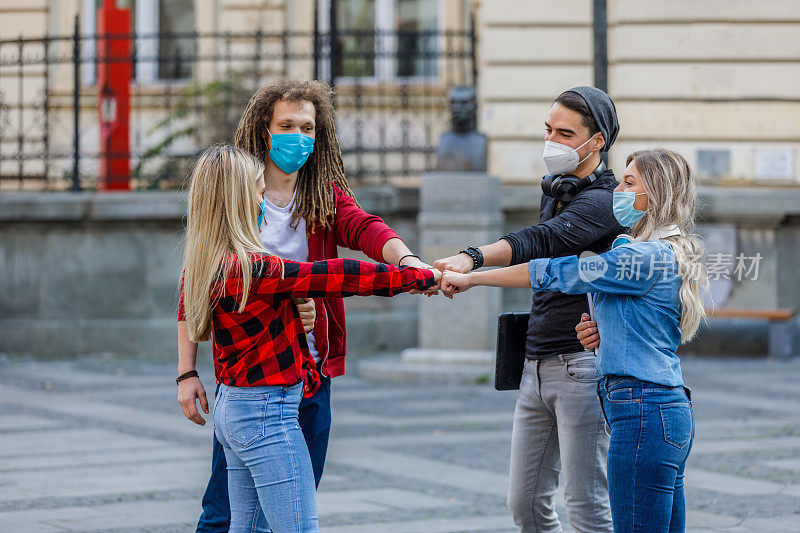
column 558, row 423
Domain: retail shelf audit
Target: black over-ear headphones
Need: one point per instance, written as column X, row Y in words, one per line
column 564, row 187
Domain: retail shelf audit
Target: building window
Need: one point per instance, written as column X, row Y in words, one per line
column 176, row 52
column 379, row 39
column 165, row 41
column 355, row 45
column 165, row 45
column 416, row 24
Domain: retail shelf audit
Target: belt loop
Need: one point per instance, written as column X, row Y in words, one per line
column 602, row 406
column 638, row 392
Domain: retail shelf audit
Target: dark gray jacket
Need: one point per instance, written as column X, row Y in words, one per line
column 585, row 223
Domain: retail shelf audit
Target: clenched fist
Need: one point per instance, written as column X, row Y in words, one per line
column 587, row 332
column 454, row 282
column 461, row 263
column 308, row 313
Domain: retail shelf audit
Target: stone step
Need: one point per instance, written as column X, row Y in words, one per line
column 393, row 369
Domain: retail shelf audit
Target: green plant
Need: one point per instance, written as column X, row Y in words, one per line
column 483, row 379
column 204, row 113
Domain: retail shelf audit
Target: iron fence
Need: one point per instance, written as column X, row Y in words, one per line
column 189, row 89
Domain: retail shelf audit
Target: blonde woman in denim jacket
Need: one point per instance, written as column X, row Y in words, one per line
column 647, row 293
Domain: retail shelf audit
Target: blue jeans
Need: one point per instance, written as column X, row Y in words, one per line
column 315, row 421
column 652, row 430
column 269, row 468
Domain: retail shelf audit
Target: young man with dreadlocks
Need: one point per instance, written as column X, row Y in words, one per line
column 309, row 210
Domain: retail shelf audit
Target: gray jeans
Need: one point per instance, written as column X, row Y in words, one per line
column 558, row 424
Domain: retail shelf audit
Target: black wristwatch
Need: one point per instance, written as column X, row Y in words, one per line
column 477, row 256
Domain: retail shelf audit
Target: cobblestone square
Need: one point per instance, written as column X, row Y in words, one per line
column 100, row 445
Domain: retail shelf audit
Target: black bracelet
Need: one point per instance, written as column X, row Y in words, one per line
column 480, row 256
column 476, row 255
column 187, row 375
column 400, row 263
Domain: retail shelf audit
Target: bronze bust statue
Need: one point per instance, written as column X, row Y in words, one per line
column 463, row 148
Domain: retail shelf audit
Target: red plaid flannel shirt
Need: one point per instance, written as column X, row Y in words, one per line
column 265, row 344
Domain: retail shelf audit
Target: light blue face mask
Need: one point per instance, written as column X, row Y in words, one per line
column 262, row 208
column 625, row 213
column 621, row 240
column 290, row 151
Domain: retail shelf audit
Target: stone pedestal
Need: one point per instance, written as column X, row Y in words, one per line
column 458, row 209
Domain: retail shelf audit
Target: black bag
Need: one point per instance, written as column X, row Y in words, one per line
column 512, row 332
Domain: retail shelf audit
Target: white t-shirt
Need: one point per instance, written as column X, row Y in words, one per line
column 279, row 238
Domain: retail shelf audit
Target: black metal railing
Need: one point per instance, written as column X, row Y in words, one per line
column 189, row 90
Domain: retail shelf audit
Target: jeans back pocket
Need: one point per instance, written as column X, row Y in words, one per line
column 245, row 418
column 677, row 421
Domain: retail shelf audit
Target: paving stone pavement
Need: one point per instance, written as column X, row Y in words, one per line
column 100, row 445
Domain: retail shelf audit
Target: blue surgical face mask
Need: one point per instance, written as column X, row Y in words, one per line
column 290, row 151
column 262, row 208
column 625, row 213
column 621, row 240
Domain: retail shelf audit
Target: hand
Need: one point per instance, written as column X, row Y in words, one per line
column 587, row 332
column 308, row 313
column 415, row 262
column 457, row 263
column 189, row 391
column 455, row 282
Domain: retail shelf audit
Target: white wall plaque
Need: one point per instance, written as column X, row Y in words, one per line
column 774, row 163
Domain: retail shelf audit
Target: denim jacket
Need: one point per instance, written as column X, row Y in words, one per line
column 636, row 306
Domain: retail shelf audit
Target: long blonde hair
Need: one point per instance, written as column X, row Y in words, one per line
column 671, row 189
column 222, row 212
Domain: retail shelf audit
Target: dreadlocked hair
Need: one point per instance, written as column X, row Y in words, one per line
column 324, row 166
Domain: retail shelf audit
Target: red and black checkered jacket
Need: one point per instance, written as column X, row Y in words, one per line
column 352, row 228
column 265, row 344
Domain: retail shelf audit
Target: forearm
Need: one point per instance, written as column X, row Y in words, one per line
column 340, row 278
column 187, row 350
column 529, row 243
column 496, row 254
column 514, row 276
column 394, row 250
